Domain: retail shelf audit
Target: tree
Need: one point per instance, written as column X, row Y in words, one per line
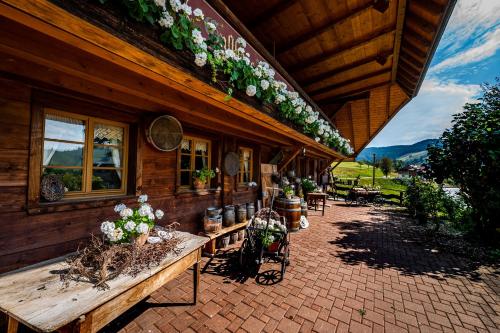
column 469, row 155
column 385, row 165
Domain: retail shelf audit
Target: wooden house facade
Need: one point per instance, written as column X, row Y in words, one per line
column 76, row 76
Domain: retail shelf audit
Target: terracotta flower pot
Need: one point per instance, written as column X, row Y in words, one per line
column 199, row 185
column 273, row 247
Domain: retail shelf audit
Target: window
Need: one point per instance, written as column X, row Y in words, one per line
column 89, row 154
column 245, row 173
column 194, row 154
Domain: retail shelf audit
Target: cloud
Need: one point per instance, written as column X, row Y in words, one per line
column 428, row 114
column 469, row 20
column 487, row 48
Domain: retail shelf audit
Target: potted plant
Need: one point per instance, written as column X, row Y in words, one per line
column 201, row 177
column 134, row 224
column 288, row 191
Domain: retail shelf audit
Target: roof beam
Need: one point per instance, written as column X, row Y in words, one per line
column 415, row 34
column 410, row 48
column 418, row 23
column 410, row 64
column 328, row 101
column 412, row 58
column 369, row 38
column 429, row 6
column 398, row 37
column 322, row 29
column 275, row 10
column 350, row 98
column 411, row 71
column 347, row 82
column 381, row 58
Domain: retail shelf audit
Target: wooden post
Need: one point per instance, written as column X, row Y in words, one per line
column 12, row 325
column 196, row 278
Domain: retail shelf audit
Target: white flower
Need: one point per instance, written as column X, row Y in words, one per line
column 159, row 214
column 279, row 99
column 120, row 207
column 167, row 21
column 241, row 42
column 142, row 228
column 143, row 198
column 270, row 73
column 229, row 54
column 127, row 212
column 264, row 84
column 251, row 90
column 186, row 9
column 107, row 227
column 160, row 3
column 176, row 5
column 151, row 216
column 211, row 27
column 198, row 14
column 116, row 235
column 197, row 37
column 200, row 59
column 144, row 210
column 164, row 234
column 240, row 51
column 130, row 226
column 317, row 139
column 154, row 240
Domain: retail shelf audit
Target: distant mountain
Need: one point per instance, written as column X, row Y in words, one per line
column 410, row 154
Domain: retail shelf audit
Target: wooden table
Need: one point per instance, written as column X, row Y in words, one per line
column 314, row 197
column 36, row 297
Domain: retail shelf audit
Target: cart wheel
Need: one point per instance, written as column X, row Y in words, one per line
column 378, row 201
column 245, row 254
column 361, row 201
column 285, row 261
column 348, row 200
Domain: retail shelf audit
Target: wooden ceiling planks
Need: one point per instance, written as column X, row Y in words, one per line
column 338, row 49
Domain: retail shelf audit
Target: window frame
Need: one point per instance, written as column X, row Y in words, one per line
column 240, row 181
column 88, row 149
column 192, row 159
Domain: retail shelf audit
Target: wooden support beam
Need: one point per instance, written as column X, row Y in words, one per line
column 410, row 48
column 408, row 63
column 350, row 98
column 412, row 58
column 331, row 87
column 289, row 159
column 368, row 118
column 298, row 40
column 413, row 32
column 380, row 58
column 336, row 165
column 275, row 10
column 327, row 101
column 353, row 133
column 397, row 38
column 429, row 6
column 406, row 72
column 369, row 38
column 421, row 23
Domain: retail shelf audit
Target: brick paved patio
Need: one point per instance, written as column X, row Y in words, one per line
column 352, row 270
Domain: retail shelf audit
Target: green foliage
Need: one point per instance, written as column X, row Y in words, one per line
column 470, row 157
column 385, row 165
column 424, row 200
column 308, row 185
column 204, row 174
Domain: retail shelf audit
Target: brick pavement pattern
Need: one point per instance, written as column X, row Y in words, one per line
column 352, row 270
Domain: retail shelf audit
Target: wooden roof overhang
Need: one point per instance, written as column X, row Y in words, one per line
column 50, row 48
column 361, row 61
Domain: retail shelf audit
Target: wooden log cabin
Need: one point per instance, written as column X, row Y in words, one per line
column 76, row 72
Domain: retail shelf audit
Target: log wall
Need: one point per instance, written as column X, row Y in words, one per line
column 31, row 236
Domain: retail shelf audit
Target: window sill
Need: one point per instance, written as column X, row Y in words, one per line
column 186, row 192
column 79, row 203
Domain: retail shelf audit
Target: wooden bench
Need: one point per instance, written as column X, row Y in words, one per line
column 210, row 246
column 36, row 297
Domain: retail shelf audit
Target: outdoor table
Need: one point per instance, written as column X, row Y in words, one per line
column 314, row 197
column 36, row 296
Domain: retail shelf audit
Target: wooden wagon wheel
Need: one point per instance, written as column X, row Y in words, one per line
column 165, row 133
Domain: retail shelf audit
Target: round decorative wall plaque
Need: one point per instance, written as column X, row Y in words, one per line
column 232, row 163
column 165, row 133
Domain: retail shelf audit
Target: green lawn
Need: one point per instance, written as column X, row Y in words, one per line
column 351, row 170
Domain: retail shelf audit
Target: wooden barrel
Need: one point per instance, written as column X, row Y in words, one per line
column 303, row 208
column 290, row 209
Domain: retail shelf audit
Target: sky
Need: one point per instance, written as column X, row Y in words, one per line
column 467, row 55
